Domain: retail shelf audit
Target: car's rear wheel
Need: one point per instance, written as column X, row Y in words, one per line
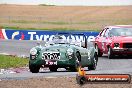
column 99, row 53
column 110, row 53
column 94, row 63
column 53, row 69
column 34, row 68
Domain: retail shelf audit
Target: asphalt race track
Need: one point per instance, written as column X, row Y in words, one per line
column 119, row 65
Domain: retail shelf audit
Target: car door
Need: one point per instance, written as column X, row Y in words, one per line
column 105, row 40
column 84, row 56
column 90, row 52
column 87, row 54
column 100, row 40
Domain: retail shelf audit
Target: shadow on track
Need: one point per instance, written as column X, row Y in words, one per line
column 118, row 57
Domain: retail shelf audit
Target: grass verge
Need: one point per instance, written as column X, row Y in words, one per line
column 51, row 29
column 9, row 61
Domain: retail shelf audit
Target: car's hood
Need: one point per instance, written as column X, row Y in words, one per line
column 57, row 47
column 122, row 39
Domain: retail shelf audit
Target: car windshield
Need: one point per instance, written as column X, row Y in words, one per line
column 121, row 32
column 67, row 39
column 57, row 39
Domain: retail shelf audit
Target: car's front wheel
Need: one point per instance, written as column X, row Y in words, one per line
column 94, row 63
column 34, row 68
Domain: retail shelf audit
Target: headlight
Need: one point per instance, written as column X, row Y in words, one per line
column 116, row 44
column 33, row 51
column 69, row 51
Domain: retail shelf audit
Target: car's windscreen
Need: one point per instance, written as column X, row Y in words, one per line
column 121, row 32
column 67, row 39
column 59, row 40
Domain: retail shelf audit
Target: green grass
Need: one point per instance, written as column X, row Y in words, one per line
column 22, row 21
column 56, row 23
column 50, row 22
column 91, row 25
column 51, row 29
column 10, row 61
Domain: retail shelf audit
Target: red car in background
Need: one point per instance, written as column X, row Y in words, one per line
column 114, row 40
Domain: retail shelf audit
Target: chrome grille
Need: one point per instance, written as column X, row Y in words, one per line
column 51, row 55
column 127, row 45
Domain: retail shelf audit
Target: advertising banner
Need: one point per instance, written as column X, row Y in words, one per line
column 41, row 35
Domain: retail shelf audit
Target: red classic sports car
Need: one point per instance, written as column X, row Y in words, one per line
column 114, row 40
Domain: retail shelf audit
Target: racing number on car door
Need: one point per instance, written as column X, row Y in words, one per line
column 103, row 44
column 105, row 40
column 101, row 40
